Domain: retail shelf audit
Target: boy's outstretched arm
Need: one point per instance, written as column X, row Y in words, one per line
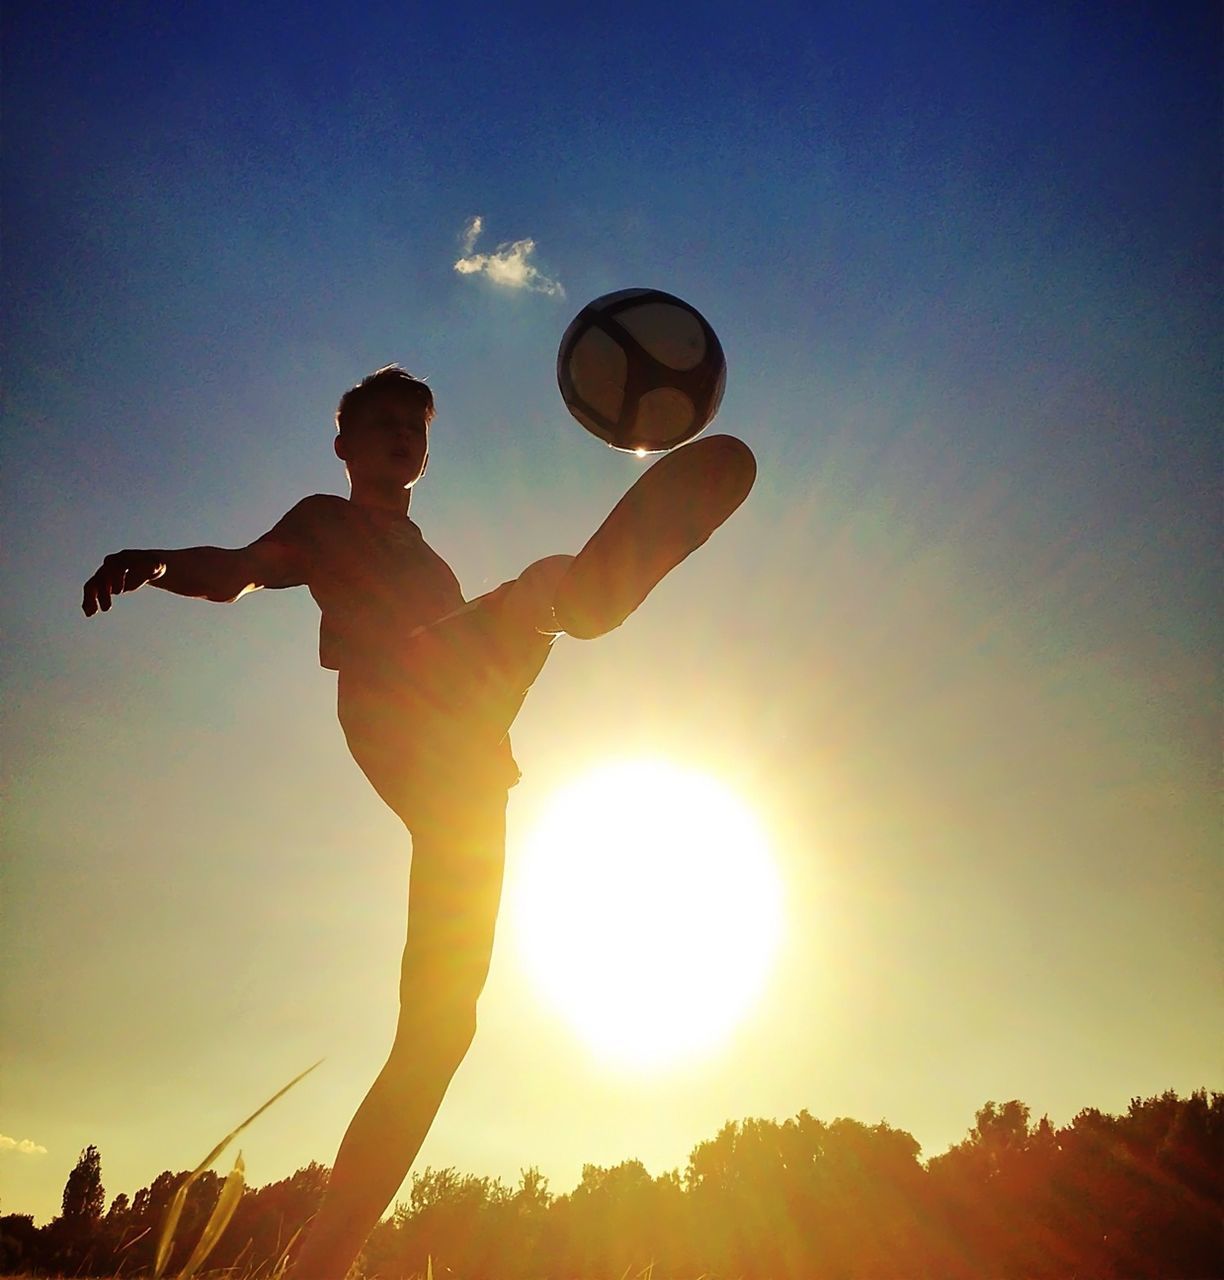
column 221, row 574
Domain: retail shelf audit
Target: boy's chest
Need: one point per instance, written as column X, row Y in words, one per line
column 384, row 573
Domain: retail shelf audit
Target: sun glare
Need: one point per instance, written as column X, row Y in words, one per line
column 647, row 910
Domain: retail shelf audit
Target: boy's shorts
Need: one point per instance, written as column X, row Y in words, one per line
column 433, row 726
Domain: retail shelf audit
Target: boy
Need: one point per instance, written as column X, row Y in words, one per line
column 427, row 689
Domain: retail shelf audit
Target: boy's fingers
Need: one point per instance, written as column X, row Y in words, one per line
column 109, row 581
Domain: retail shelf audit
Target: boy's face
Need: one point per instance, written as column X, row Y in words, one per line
column 388, row 440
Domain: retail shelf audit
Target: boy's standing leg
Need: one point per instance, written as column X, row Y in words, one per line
column 458, row 858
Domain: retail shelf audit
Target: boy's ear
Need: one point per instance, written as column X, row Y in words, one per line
column 340, row 447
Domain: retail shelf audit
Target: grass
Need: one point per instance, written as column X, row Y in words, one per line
column 223, row 1210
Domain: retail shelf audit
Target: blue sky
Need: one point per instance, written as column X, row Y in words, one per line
column 961, row 648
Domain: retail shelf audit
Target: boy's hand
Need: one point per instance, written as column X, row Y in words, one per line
column 120, row 572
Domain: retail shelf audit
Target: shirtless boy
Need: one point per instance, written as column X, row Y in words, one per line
column 428, row 686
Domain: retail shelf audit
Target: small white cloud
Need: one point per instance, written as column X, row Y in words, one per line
column 471, row 233
column 25, row 1146
column 509, row 264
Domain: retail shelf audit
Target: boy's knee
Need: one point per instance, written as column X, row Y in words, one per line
column 448, row 994
column 441, row 1031
column 535, row 589
column 551, row 569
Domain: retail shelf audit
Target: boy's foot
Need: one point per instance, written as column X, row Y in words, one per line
column 668, row 513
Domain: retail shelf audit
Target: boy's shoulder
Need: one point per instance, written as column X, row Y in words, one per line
column 323, row 504
column 310, row 520
column 317, row 508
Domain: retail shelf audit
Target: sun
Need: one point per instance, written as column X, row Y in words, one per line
column 647, row 910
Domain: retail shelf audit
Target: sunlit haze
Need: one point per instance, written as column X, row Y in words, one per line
column 937, row 709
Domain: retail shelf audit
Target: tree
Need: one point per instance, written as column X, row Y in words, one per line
column 71, row 1241
column 84, row 1195
column 18, row 1241
column 120, row 1208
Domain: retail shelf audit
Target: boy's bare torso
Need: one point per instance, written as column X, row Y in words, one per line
column 377, row 583
column 374, row 577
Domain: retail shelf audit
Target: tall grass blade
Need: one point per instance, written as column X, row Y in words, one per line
column 218, row 1220
column 429, row 1266
column 283, row 1261
column 165, row 1241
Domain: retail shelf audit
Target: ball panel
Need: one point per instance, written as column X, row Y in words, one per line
column 672, row 335
column 597, row 368
column 611, row 301
column 597, row 427
column 664, row 416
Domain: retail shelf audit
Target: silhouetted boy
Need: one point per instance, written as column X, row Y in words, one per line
column 427, row 689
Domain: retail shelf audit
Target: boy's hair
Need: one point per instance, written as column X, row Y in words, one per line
column 391, row 378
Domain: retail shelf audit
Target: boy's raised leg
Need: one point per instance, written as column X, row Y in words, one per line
column 668, row 513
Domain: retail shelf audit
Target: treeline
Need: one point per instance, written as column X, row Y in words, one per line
column 1102, row 1198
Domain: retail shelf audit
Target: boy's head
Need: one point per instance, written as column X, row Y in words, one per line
column 382, row 427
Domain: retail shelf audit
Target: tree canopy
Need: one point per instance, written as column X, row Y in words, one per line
column 1136, row 1195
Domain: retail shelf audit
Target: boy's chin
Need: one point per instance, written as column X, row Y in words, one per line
column 403, row 477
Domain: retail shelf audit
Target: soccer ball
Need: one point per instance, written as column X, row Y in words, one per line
column 642, row 370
